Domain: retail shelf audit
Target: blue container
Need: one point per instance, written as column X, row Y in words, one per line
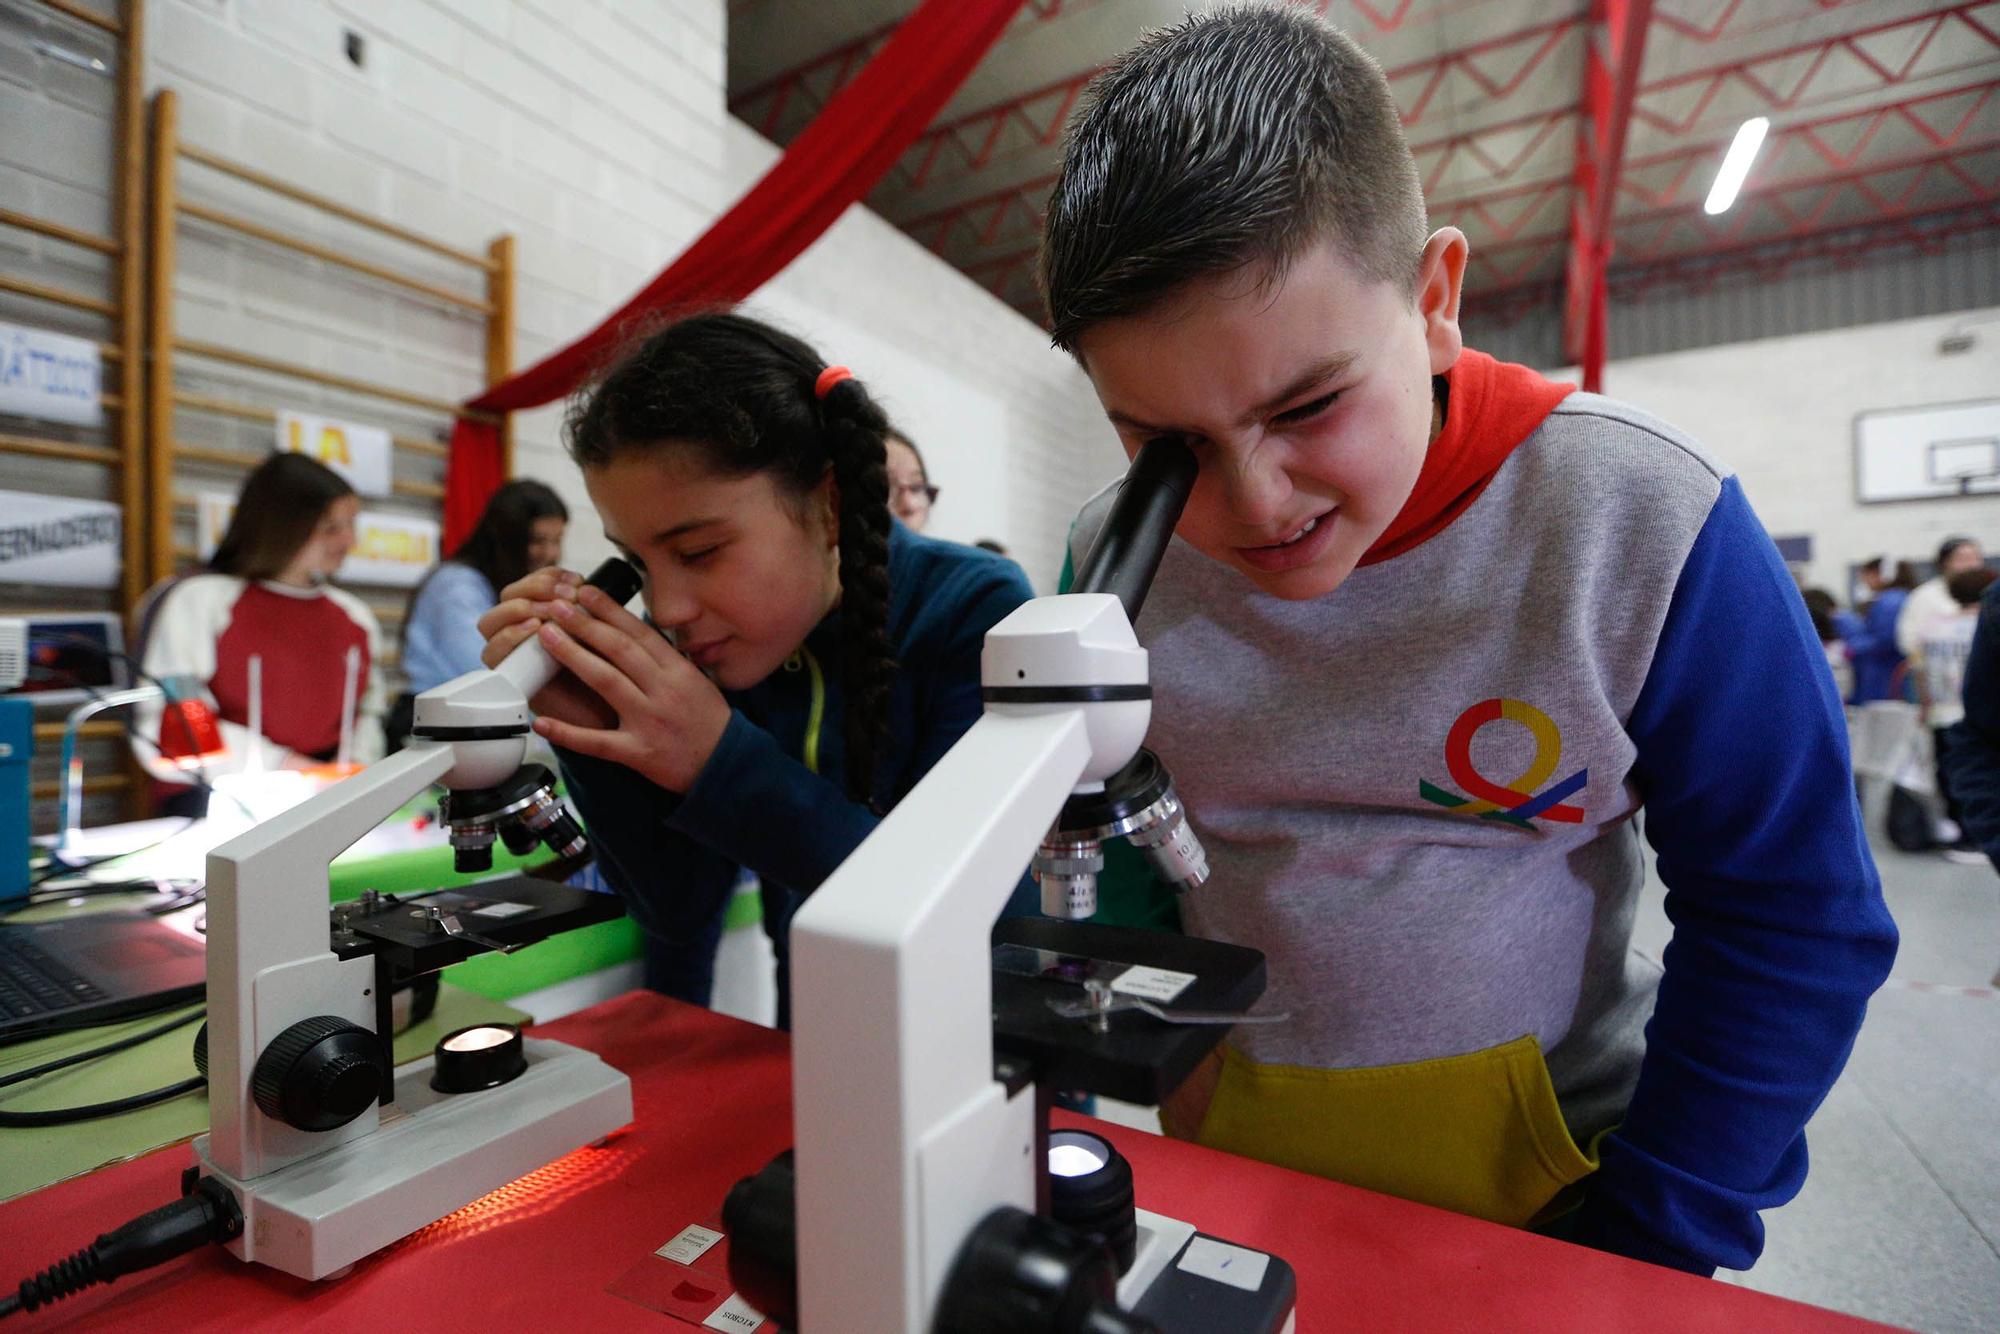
column 17, row 747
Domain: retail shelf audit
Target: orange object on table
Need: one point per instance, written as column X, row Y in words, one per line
column 712, row 1100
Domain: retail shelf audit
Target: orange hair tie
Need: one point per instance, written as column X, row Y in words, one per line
column 828, row 378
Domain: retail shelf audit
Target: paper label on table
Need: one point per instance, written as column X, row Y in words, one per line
column 692, row 1243
column 735, row 1314
column 1153, row 984
column 1205, row 1257
column 503, row 909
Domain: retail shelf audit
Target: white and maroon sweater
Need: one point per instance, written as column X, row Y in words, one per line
column 207, row 627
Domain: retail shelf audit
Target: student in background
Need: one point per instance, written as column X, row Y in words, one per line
column 521, row 530
column 1932, row 599
column 911, row 494
column 1944, row 644
column 1826, row 622
column 265, row 595
column 1871, row 644
column 1972, row 750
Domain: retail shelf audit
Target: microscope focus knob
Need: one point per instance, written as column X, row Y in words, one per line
column 320, row 1073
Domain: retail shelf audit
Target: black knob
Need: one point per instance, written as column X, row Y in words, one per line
column 1018, row 1272
column 320, row 1073
column 761, row 1217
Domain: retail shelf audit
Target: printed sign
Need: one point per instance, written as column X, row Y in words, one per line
column 358, row 453
column 391, row 549
column 212, row 511
column 56, row 540
column 51, row 376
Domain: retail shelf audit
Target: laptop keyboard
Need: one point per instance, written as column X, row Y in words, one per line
column 31, row 982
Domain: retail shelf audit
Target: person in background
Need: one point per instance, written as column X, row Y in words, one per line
column 1943, row 645
column 911, row 494
column 265, row 596
column 1826, row 621
column 808, row 658
column 521, row 530
column 1871, row 643
column 1971, row 754
column 1932, row 599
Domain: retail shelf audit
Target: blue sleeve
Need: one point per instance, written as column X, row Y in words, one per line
column 672, row 885
column 1780, row 932
column 760, row 806
column 1972, row 747
column 442, row 641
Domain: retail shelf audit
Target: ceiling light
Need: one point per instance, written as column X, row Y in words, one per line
column 1736, row 165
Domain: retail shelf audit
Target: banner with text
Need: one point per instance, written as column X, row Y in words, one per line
column 56, row 540
column 358, row 453
column 393, row 549
column 51, row 376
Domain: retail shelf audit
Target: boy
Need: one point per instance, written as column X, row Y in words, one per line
column 1435, row 629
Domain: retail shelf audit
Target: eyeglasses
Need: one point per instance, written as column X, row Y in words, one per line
column 910, row 490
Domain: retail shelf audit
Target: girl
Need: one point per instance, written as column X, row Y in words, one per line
column 520, row 530
column 265, row 595
column 911, row 494
column 817, row 656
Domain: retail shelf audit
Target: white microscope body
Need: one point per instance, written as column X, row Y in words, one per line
column 316, row 1200
column 905, row 1140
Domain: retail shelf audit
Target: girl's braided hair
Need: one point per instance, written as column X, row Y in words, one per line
column 741, row 392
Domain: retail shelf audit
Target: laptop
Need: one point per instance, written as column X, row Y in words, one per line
column 92, row 968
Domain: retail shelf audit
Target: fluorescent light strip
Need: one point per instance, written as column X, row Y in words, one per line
column 1736, row 165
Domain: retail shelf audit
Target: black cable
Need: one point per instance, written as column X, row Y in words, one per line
column 79, row 1057
column 62, row 1116
column 207, row 1213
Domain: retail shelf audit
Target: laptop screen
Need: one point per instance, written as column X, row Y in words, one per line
column 70, row 653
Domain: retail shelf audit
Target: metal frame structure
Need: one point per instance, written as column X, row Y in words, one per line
column 125, row 312
column 1570, row 146
column 494, row 305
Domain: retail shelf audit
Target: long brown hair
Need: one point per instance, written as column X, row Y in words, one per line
column 282, row 501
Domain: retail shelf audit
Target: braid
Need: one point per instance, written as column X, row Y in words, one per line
column 855, row 427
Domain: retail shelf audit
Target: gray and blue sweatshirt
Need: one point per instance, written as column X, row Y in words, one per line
column 1422, row 797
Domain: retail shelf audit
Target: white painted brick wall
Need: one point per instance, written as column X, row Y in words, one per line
column 595, row 131
column 1781, row 412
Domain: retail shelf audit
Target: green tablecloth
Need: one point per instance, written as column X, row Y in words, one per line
column 33, row 1158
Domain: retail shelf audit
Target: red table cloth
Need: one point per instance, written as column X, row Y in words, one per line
column 713, row 1104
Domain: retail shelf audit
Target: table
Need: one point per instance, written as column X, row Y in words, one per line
column 712, row 1098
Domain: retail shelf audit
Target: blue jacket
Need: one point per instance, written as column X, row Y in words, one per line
column 773, row 796
column 1873, row 647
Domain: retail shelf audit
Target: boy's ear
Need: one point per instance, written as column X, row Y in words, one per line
column 1440, row 279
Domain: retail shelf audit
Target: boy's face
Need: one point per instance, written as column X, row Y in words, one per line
column 1307, row 403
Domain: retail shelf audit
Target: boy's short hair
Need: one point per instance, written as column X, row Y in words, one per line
column 1236, row 137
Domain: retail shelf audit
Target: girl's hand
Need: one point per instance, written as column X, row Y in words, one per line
column 669, row 716
column 525, row 606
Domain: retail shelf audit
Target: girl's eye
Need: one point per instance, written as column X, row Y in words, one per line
column 698, row 557
column 1307, row 411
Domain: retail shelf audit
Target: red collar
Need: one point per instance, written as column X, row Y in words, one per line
column 1490, row 407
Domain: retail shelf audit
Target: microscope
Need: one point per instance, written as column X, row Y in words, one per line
column 328, row 1153
column 921, row 1191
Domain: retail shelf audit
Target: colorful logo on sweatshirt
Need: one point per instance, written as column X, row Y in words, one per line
column 1520, row 801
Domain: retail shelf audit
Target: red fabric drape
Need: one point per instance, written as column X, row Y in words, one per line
column 839, row 157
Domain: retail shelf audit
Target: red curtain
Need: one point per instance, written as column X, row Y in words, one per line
column 834, row 162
